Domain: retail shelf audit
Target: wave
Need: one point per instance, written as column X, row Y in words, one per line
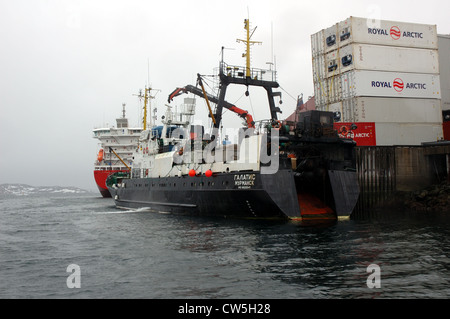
column 127, row 211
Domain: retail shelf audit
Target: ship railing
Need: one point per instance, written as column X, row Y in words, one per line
column 113, row 144
column 120, row 150
column 116, row 132
column 241, row 72
column 98, row 132
column 109, row 168
column 265, row 126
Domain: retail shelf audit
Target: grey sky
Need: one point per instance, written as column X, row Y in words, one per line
column 67, row 66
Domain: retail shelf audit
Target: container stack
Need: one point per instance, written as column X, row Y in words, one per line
column 444, row 66
column 382, row 77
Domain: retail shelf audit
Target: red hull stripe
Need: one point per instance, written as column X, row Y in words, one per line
column 101, row 176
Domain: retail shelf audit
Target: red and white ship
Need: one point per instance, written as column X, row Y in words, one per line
column 122, row 140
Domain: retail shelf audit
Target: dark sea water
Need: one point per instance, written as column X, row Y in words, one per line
column 144, row 254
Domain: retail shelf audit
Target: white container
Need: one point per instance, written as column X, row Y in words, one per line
column 337, row 109
column 320, row 95
column 331, row 39
column 407, row 133
column 317, row 43
column 383, row 58
column 444, row 66
column 327, row 91
column 332, row 64
column 389, row 84
column 389, row 110
column 384, row 32
column 319, row 68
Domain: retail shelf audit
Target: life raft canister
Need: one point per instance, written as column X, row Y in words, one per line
column 100, row 155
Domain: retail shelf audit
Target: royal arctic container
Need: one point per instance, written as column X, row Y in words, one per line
column 388, row 134
column 337, row 109
column 384, row 32
column 331, row 38
column 389, row 84
column 389, row 110
column 444, row 67
column 317, row 44
column 363, row 133
column 407, row 133
column 319, row 68
column 320, row 95
column 332, row 64
column 324, row 41
column 382, row 58
column 327, row 91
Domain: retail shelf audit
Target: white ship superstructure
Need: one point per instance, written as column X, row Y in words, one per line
column 121, row 139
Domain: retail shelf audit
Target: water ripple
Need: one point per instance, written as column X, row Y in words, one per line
column 143, row 254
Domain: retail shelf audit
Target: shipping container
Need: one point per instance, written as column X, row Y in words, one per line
column 319, row 68
column 388, row 134
column 331, row 38
column 389, row 84
column 320, row 95
column 332, row 65
column 389, row 110
column 384, row 32
column 382, row 58
column 444, row 67
column 396, row 110
column 317, row 43
column 363, row 133
column 336, row 108
column 328, row 91
column 407, row 133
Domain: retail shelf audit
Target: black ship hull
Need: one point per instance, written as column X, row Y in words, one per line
column 236, row 195
column 231, row 195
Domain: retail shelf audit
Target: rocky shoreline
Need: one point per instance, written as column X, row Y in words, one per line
column 431, row 199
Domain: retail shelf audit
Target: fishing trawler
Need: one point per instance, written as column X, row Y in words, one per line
column 278, row 170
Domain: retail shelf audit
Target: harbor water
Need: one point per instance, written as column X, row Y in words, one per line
column 81, row 246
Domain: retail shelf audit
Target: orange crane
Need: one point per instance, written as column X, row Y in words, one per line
column 201, row 92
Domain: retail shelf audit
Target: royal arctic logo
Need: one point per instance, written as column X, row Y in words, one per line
column 398, row 85
column 395, row 33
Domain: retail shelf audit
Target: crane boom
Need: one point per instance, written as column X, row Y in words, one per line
column 205, row 95
column 199, row 92
column 110, row 148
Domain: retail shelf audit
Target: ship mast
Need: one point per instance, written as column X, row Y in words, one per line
column 250, row 77
column 248, row 43
column 147, row 97
column 145, row 108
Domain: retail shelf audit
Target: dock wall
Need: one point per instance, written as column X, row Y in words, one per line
column 384, row 172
